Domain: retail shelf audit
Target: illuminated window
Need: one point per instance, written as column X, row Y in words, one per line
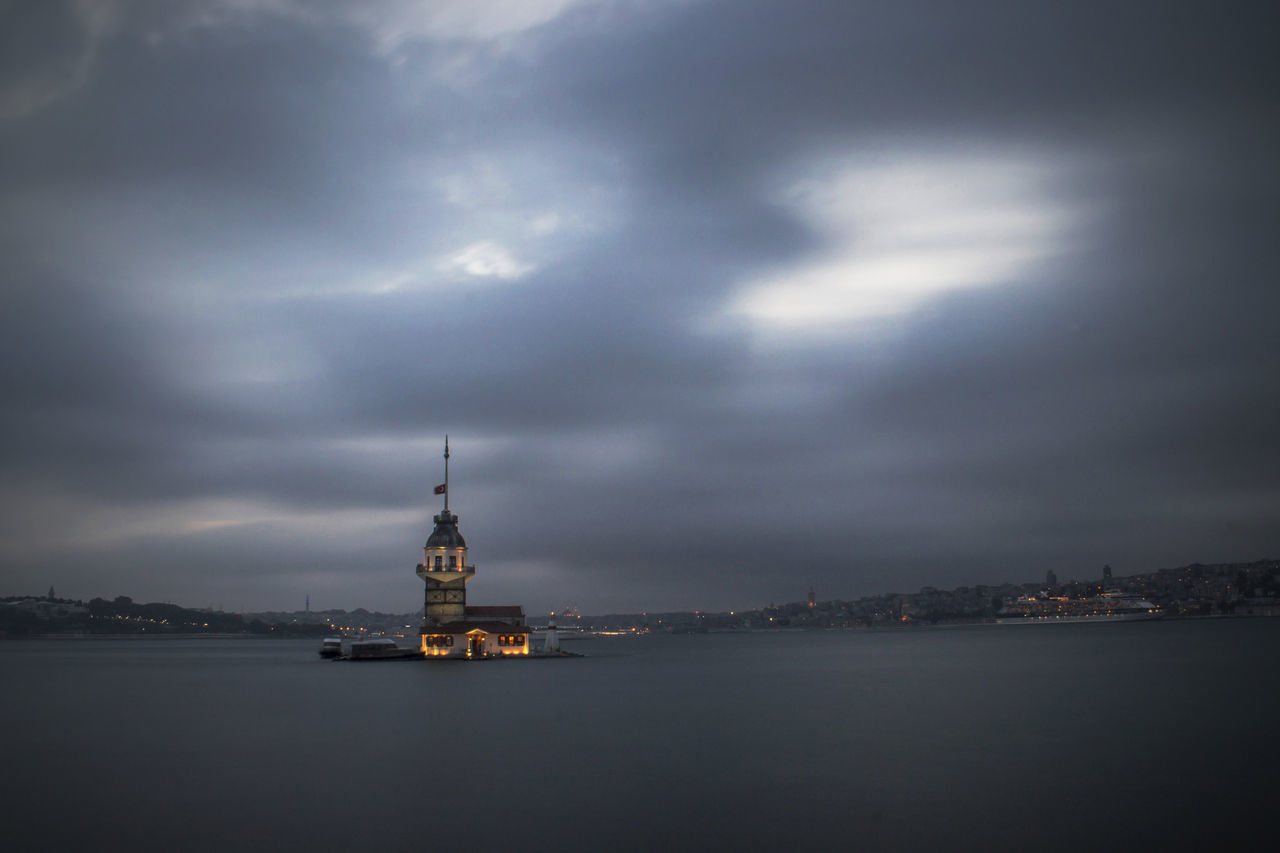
column 448, row 641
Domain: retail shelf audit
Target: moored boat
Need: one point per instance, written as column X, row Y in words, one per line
column 379, row 649
column 331, row 647
column 1107, row 607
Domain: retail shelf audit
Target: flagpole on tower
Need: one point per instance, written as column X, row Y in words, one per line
column 446, row 472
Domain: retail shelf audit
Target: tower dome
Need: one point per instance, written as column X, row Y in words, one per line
column 446, row 533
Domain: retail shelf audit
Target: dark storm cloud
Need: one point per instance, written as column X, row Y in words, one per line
column 256, row 263
column 724, row 82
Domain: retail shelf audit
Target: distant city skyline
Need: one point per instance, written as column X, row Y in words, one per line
column 716, row 300
column 1250, row 588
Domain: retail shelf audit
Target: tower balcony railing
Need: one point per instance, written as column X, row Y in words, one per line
column 459, row 569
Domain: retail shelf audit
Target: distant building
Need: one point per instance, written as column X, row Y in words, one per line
column 451, row 628
column 1106, row 573
column 813, row 602
column 1050, row 578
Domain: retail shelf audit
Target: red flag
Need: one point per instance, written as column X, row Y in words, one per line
column 440, row 489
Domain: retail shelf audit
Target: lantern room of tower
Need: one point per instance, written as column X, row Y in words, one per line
column 444, row 557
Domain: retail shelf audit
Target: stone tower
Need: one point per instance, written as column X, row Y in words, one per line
column 444, row 564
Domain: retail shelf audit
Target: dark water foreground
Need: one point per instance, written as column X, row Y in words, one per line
column 1123, row 736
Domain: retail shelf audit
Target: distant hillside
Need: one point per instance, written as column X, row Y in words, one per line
column 22, row 616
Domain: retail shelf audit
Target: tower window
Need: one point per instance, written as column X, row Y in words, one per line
column 439, row 560
column 453, row 562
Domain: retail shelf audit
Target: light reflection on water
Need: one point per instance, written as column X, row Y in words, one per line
column 1121, row 736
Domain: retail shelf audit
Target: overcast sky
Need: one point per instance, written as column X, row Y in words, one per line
column 716, row 300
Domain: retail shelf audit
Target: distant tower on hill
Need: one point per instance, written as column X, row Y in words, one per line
column 813, row 602
column 51, row 595
column 1050, row 578
column 1106, row 573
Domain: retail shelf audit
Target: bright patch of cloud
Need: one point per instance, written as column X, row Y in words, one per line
column 394, row 23
column 898, row 233
column 487, row 259
column 390, row 24
column 482, row 260
column 212, row 516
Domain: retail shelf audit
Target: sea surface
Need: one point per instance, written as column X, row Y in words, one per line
column 1129, row 736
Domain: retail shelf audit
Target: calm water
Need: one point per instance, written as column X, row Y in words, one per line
column 1124, row 736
